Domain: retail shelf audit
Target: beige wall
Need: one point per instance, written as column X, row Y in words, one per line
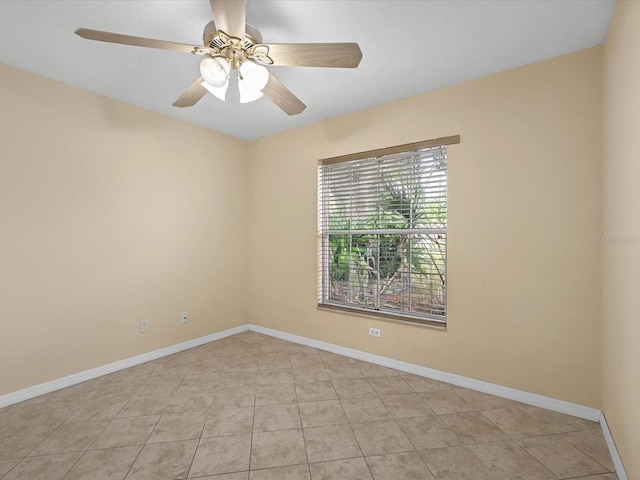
column 110, row 214
column 524, row 228
column 621, row 258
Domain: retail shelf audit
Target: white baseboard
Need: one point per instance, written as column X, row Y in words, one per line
column 560, row 406
column 541, row 401
column 53, row 385
column 613, row 451
column 536, row 400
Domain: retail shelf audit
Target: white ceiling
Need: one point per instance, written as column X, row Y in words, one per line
column 409, row 47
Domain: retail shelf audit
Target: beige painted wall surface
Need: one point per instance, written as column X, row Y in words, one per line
column 110, row 214
column 524, row 228
column 621, row 259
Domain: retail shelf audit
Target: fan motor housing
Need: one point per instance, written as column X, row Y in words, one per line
column 211, row 39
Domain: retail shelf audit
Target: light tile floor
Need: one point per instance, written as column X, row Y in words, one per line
column 251, row 407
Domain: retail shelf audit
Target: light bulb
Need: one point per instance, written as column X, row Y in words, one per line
column 247, row 93
column 256, row 76
column 219, row 92
column 215, row 70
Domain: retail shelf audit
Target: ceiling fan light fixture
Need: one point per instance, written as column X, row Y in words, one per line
column 215, row 71
column 238, row 46
column 219, row 92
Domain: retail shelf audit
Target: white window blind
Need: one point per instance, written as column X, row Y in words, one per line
column 382, row 219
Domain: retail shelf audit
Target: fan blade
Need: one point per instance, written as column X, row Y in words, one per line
column 340, row 55
column 134, row 41
column 283, row 97
column 229, row 16
column 191, row 95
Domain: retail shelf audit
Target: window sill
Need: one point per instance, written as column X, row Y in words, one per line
column 378, row 315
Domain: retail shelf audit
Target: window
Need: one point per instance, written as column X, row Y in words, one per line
column 382, row 220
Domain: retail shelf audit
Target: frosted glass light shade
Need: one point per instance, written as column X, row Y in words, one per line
column 247, row 93
column 256, row 76
column 220, row 92
column 215, row 70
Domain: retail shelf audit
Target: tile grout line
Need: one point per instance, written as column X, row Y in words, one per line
column 304, row 440
column 204, row 424
column 350, row 423
column 253, row 418
column 141, row 449
column 588, row 455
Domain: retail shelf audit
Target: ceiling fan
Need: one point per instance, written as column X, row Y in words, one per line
column 231, row 45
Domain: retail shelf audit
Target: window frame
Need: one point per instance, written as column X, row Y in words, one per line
column 324, row 274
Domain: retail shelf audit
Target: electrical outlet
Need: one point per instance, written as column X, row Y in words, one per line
column 184, row 318
column 375, row 332
column 144, row 326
